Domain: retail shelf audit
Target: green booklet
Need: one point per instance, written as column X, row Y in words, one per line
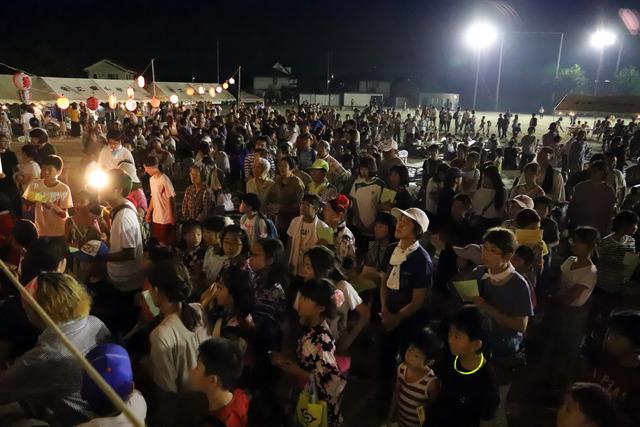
column 388, row 195
column 467, row 289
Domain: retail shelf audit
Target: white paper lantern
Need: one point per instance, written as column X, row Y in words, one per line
column 141, row 81
column 219, row 89
column 62, row 102
column 232, row 81
column 113, row 102
column 131, row 105
column 212, row 92
column 174, row 99
column 130, row 93
column 201, row 90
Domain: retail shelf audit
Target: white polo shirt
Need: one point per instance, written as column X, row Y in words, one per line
column 125, row 234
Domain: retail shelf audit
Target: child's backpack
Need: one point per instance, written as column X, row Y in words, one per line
column 145, row 231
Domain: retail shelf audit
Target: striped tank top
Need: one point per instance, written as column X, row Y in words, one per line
column 412, row 397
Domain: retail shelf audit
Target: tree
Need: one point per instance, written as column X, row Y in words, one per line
column 571, row 80
column 627, row 81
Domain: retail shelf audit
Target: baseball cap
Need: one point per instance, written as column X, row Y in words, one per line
column 320, row 164
column 524, row 201
column 471, row 252
column 130, row 169
column 252, row 200
column 92, row 249
column 113, row 364
column 388, row 145
column 415, row 214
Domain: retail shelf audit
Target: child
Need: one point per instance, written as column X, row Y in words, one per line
column 617, row 369
column 383, row 235
column 50, row 198
column 568, row 320
column 524, row 261
column 529, row 187
column 219, row 367
column 470, row 174
column 528, row 233
column 162, row 206
column 305, row 231
column 365, row 193
column 416, row 384
column 213, row 260
column 342, row 241
column 28, row 169
column 399, row 183
column 588, row 404
column 192, row 250
column 306, row 155
column 469, row 392
column 488, row 132
column 315, row 353
column 252, row 220
column 550, row 231
column 113, row 364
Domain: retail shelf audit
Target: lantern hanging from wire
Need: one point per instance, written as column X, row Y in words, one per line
column 131, row 105
column 93, row 103
column 22, row 81
column 212, row 92
column 174, row 99
column 140, row 81
column 155, row 102
column 201, row 90
column 130, row 93
column 232, row 81
column 62, row 102
column 190, row 91
column 219, row 89
column 113, row 102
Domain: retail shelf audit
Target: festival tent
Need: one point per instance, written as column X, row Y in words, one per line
column 77, row 90
column 165, row 89
column 39, row 90
column 249, row 98
column 606, row 104
column 119, row 89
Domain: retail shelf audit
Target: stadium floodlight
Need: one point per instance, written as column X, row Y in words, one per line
column 480, row 35
column 603, row 38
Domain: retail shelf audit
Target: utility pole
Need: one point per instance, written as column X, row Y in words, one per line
column 218, row 60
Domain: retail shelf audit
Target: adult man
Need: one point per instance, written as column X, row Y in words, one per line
column 40, row 139
column 409, row 130
column 124, row 260
column 576, row 152
column 337, row 175
column 262, row 142
column 533, row 122
column 549, row 178
column 456, row 119
column 529, row 142
column 111, row 155
column 390, row 159
column 541, row 112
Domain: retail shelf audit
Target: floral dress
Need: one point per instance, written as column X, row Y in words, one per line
column 316, row 355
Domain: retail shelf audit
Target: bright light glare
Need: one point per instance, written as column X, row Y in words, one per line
column 602, row 38
column 97, row 180
column 480, row 35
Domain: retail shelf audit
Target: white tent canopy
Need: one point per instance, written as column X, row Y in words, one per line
column 119, row 89
column 39, row 90
column 77, row 90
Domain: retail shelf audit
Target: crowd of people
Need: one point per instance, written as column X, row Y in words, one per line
column 236, row 267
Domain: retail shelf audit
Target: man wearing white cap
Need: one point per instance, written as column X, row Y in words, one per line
column 390, row 158
column 404, row 290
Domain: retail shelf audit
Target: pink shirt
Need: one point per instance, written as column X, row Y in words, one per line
column 138, row 199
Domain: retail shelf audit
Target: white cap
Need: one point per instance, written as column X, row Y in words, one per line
column 130, row 170
column 415, row 214
column 389, row 144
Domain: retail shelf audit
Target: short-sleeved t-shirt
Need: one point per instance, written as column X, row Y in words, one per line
column 49, row 223
column 511, row 298
column 236, row 412
column 585, row 276
column 351, row 301
column 415, row 273
column 161, row 193
column 126, row 234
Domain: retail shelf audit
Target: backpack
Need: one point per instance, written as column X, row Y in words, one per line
column 272, row 231
column 145, row 232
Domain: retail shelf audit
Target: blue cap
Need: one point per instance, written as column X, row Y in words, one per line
column 113, row 363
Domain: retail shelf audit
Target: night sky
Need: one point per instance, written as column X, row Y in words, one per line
column 415, row 42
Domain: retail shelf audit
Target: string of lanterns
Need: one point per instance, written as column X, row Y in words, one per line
column 213, row 90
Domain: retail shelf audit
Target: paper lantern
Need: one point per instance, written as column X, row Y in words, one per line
column 232, row 81
column 174, row 99
column 130, row 93
column 113, row 102
column 22, row 81
column 225, row 85
column 212, row 92
column 190, row 91
column 219, row 89
column 131, row 105
column 141, row 81
column 25, row 95
column 155, row 102
column 93, row 103
column 201, row 90
column 62, row 102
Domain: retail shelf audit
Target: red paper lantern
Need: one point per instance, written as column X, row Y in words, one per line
column 22, row 81
column 93, row 103
column 155, row 102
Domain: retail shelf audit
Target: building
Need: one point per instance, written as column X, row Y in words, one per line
column 375, row 86
column 279, row 83
column 439, row 100
column 107, row 69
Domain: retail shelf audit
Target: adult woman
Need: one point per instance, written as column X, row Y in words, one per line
column 198, row 198
column 47, row 377
column 285, row 195
column 175, row 341
column 432, row 189
column 404, row 288
column 583, row 211
column 74, row 117
column 490, row 200
column 529, row 187
column 548, row 178
column 9, row 163
column 261, row 183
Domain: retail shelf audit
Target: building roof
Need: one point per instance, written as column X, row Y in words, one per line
column 111, row 63
column 600, row 104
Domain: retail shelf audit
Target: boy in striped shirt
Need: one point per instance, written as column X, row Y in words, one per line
column 416, row 383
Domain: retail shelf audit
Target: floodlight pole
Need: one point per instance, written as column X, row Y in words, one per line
column 475, row 90
column 619, row 54
column 499, row 70
column 153, row 76
column 239, row 82
column 600, row 58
